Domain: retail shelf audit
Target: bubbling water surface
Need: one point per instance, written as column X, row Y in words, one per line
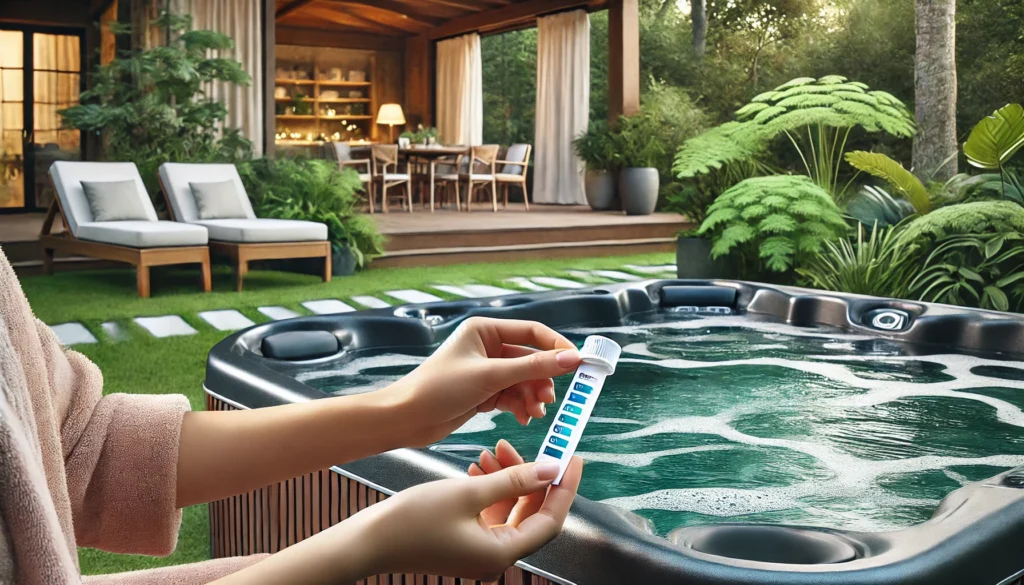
column 727, row 419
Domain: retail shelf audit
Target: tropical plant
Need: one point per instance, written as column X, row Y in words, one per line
column 313, row 190
column 771, row 221
column 994, row 141
column 873, row 206
column 874, row 265
column 883, row 167
column 977, row 217
column 420, row 134
column 979, row 270
column 596, row 146
column 817, row 116
column 152, row 106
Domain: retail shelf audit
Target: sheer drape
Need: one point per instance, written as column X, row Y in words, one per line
column 460, row 94
column 242, row 21
column 563, row 106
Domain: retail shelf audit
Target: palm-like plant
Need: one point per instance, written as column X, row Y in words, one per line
column 875, row 264
column 773, row 219
column 904, row 181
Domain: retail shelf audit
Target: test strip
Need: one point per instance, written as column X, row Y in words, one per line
column 599, row 356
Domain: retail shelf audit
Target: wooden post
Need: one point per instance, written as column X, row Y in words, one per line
column 419, row 81
column 269, row 25
column 623, row 59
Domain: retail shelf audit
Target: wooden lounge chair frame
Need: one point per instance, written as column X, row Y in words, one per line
column 141, row 258
column 240, row 254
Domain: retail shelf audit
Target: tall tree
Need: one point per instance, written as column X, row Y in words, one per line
column 935, row 146
column 699, row 17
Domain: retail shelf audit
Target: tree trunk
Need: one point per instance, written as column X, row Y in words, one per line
column 935, row 146
column 699, row 16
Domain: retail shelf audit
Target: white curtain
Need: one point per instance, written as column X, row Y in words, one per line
column 563, row 106
column 242, row 21
column 460, row 92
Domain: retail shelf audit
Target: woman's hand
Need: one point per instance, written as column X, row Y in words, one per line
column 474, row 527
column 486, row 364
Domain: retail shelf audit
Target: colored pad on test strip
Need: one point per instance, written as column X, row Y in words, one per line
column 569, row 420
column 553, row 452
column 581, row 387
column 559, row 441
column 572, row 408
column 577, row 398
column 562, row 430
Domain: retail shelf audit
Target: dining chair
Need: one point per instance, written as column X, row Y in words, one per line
column 480, row 172
column 343, row 153
column 384, row 157
column 513, row 171
column 447, row 171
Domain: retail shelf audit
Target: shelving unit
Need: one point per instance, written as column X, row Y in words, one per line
column 320, row 124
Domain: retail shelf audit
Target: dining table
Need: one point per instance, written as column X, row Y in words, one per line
column 431, row 153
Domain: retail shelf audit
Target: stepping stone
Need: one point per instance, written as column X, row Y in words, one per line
column 327, row 307
column 585, row 276
column 166, row 326
column 413, row 296
column 115, row 331
column 371, row 302
column 277, row 313
column 454, row 290
column 73, row 333
column 556, row 282
column 226, row 320
column 652, row 269
column 527, row 284
column 616, row 275
column 486, row 290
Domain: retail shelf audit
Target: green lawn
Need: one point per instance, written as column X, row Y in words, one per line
column 176, row 365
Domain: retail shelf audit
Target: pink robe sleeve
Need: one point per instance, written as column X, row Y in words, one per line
column 120, row 456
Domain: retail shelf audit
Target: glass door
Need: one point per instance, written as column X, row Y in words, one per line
column 41, row 68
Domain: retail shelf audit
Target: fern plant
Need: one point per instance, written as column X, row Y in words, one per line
column 817, row 116
column 978, row 270
column 978, row 217
column 875, row 264
column 771, row 221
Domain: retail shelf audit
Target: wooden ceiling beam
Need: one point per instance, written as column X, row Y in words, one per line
column 383, row 17
column 343, row 17
column 397, row 9
column 506, row 16
column 474, row 5
column 290, row 8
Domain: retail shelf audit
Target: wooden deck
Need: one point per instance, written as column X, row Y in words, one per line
column 446, row 236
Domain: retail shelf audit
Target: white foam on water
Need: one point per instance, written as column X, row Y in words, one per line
column 645, row 459
column 481, row 421
column 640, row 349
column 779, row 329
column 358, row 366
column 615, row 421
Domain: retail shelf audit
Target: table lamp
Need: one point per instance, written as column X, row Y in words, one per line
column 392, row 115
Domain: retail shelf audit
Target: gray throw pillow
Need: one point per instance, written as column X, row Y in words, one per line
column 114, row 200
column 218, row 200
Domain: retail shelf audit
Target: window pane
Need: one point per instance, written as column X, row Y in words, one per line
column 55, row 52
column 11, row 45
column 12, row 85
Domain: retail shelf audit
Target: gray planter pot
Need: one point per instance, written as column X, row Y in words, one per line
column 600, row 188
column 693, row 260
column 638, row 188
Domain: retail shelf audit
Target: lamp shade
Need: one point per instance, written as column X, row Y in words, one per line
column 391, row 114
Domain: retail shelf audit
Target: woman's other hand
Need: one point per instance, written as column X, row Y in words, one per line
column 486, row 364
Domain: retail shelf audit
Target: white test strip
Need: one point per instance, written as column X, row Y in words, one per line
column 599, row 356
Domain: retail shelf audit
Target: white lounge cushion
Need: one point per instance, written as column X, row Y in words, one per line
column 253, row 231
column 143, row 234
column 509, row 178
column 177, row 176
column 67, row 177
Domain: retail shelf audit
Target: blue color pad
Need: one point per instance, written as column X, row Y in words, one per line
column 569, row 420
column 581, row 387
column 577, row 398
column 562, row 430
column 559, row 441
column 553, row 452
column 573, row 409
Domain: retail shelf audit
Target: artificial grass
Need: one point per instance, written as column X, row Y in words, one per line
column 176, row 365
column 111, row 294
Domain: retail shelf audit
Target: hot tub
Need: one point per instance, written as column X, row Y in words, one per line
column 751, row 434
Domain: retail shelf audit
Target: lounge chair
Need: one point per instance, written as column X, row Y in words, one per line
column 223, row 208
column 136, row 237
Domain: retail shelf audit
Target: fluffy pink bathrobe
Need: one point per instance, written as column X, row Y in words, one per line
column 81, row 469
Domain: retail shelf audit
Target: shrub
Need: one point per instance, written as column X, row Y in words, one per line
column 313, row 190
column 978, row 270
column 873, row 206
column 596, row 146
column 774, row 220
column 979, row 217
column 876, row 265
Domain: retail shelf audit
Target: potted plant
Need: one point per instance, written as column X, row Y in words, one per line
column 596, row 148
column 314, row 190
column 637, row 152
column 693, row 251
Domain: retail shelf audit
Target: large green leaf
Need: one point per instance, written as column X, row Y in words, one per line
column 883, row 167
column 996, row 138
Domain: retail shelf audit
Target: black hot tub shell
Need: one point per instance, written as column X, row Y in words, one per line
column 975, row 536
